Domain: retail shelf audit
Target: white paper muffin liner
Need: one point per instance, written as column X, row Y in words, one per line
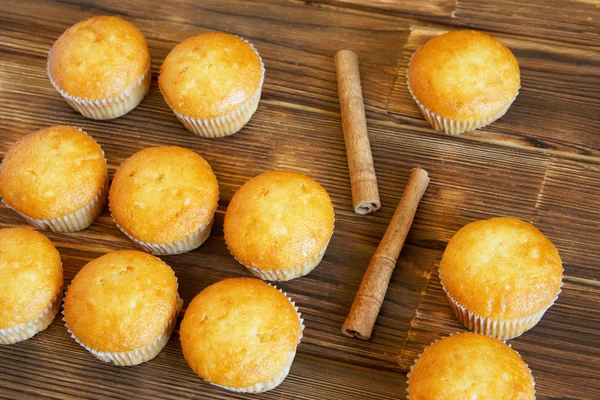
column 135, row 356
column 27, row 330
column 287, row 274
column 227, row 124
column 452, row 126
column 282, row 275
column 75, row 221
column 189, row 243
column 435, row 341
column 502, row 329
column 112, row 107
column 280, row 377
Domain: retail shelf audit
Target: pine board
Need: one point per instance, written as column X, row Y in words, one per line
column 540, row 163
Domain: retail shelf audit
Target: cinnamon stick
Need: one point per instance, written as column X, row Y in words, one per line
column 365, row 195
column 370, row 295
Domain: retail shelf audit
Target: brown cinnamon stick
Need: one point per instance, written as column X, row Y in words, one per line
column 365, row 195
column 371, row 293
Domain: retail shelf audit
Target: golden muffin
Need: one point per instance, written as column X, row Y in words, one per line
column 500, row 276
column 463, row 80
column 241, row 334
column 31, row 283
column 123, row 306
column 470, row 366
column 212, row 82
column 56, row 178
column 164, row 199
column 278, row 225
column 101, row 66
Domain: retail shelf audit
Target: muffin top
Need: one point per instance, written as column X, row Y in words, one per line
column 52, row 172
column 163, row 194
column 210, row 75
column 239, row 332
column 98, row 58
column 121, row 301
column 278, row 220
column 464, row 75
column 501, row 268
column 470, row 366
column 31, row 275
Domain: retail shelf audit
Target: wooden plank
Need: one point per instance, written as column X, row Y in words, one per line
column 561, row 350
column 299, row 68
column 569, row 21
column 554, row 109
column 280, row 136
column 461, row 171
column 323, row 297
column 568, row 211
column 558, row 81
column 53, row 366
column 276, row 138
column 297, row 127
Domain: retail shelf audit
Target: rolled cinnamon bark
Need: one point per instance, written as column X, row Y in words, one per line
column 370, row 295
column 365, row 195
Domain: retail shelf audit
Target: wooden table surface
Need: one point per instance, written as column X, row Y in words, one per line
column 540, row 162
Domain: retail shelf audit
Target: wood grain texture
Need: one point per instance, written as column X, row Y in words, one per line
column 561, row 350
column 424, row 9
column 558, row 96
column 570, row 21
column 539, row 163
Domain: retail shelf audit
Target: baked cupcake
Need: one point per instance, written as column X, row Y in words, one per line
column 212, row 82
column 56, row 178
column 278, row 225
column 500, row 276
column 101, row 66
column 164, row 199
column 31, row 282
column 241, row 334
column 463, row 80
column 123, row 306
column 470, row 366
